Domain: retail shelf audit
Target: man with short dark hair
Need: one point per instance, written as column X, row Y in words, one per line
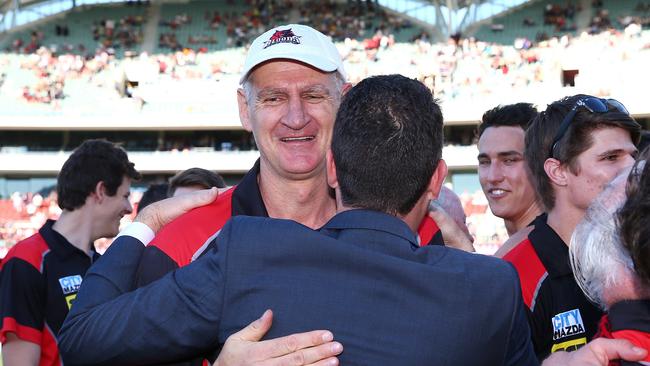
column 194, row 179
column 40, row 276
column 360, row 275
column 573, row 148
column 502, row 169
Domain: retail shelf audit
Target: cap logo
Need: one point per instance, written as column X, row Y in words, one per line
column 282, row 36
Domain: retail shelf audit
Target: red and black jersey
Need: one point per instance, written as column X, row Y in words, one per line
column 629, row 320
column 39, row 280
column 186, row 238
column 561, row 317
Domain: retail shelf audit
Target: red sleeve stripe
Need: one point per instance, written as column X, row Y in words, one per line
column 530, row 268
column 29, row 334
column 32, row 250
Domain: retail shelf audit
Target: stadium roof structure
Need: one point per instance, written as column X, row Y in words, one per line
column 15, row 13
column 442, row 17
column 447, row 17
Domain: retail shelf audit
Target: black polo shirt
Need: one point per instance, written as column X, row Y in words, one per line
column 560, row 315
column 39, row 280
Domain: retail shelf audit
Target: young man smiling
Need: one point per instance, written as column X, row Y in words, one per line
column 40, row 276
column 502, row 170
column 573, row 148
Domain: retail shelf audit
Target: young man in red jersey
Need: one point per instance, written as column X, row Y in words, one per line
column 40, row 276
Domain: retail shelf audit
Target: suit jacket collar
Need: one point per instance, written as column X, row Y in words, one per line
column 372, row 220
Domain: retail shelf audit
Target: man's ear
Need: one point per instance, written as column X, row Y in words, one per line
column 242, row 103
column 346, row 88
column 332, row 179
column 556, row 171
column 437, row 179
column 99, row 193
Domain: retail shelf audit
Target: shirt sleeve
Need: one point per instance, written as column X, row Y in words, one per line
column 174, row 318
column 138, row 230
column 22, row 301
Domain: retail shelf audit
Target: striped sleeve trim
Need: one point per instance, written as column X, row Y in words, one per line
column 530, row 269
column 10, row 325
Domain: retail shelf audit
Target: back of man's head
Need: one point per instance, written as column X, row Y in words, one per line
column 634, row 217
column 513, row 115
column 386, row 144
column 197, row 178
column 92, row 162
column 576, row 139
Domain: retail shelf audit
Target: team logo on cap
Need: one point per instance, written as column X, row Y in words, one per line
column 282, row 36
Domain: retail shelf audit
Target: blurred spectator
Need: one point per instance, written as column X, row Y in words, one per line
column 194, row 179
column 154, row 193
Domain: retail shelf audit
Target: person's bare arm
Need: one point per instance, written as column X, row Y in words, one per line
column 18, row 352
column 244, row 348
column 597, row 353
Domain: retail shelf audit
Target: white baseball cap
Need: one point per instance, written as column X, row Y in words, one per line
column 295, row 42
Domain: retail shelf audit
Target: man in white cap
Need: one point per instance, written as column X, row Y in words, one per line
column 292, row 83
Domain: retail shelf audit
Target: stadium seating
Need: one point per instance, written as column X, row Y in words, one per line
column 620, row 8
column 513, row 24
column 79, row 24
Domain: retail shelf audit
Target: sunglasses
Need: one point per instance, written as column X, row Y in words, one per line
column 593, row 105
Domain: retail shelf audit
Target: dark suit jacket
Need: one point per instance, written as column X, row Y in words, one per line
column 362, row 276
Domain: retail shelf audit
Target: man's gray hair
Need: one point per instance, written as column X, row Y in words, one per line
column 598, row 257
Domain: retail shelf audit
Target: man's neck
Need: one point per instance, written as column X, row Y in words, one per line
column 563, row 219
column 523, row 220
column 76, row 228
column 306, row 201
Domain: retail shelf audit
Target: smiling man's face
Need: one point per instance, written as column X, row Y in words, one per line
column 290, row 108
column 502, row 172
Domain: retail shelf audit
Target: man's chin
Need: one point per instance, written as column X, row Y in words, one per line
column 302, row 167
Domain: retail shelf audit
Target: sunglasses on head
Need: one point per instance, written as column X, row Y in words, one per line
column 593, row 105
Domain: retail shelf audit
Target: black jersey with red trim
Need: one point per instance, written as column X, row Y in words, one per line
column 560, row 315
column 39, row 279
column 628, row 320
column 189, row 236
column 186, row 238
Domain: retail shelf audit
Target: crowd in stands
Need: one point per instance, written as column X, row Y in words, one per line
column 123, row 33
column 459, row 69
column 456, row 69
